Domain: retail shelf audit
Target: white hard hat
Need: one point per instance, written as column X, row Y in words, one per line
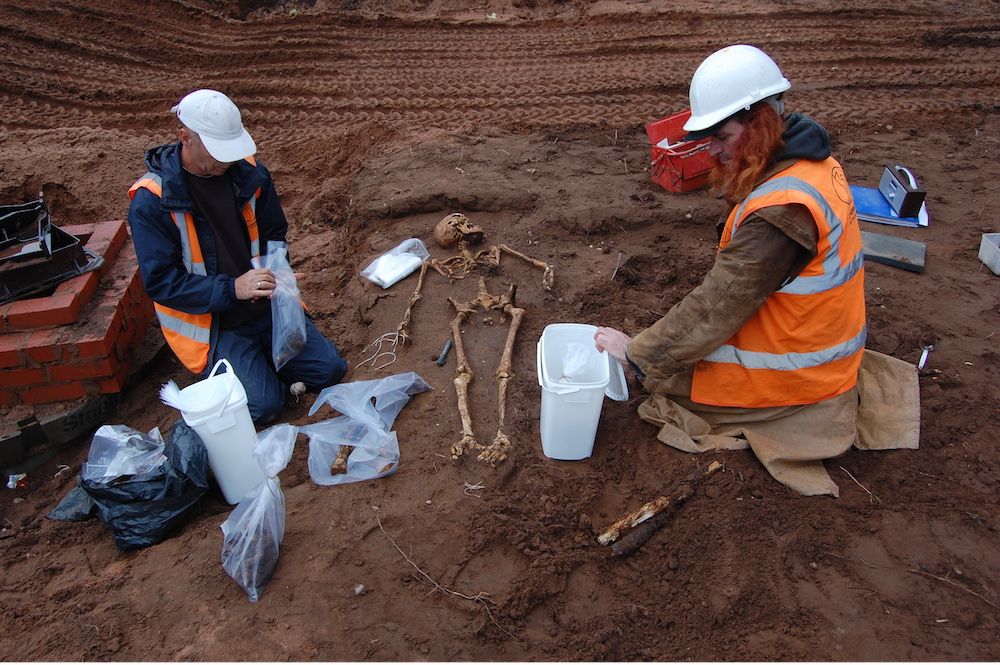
column 731, row 80
column 216, row 120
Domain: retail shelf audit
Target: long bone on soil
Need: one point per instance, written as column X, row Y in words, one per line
column 654, row 513
column 548, row 276
column 463, row 377
column 497, row 451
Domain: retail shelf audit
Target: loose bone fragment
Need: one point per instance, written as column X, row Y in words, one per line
column 340, row 463
column 613, row 532
column 659, row 512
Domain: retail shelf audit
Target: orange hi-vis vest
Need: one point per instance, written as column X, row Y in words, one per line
column 190, row 335
column 805, row 342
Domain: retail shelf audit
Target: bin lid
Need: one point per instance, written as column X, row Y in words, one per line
column 617, row 385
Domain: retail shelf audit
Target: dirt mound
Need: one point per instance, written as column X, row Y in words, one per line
column 379, row 118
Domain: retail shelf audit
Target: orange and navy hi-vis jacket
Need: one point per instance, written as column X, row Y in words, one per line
column 177, row 257
column 805, row 342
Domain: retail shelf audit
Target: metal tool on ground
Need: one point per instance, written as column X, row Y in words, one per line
column 651, row 517
column 444, row 352
column 923, row 356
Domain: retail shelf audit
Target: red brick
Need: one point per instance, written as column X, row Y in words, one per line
column 43, row 346
column 115, row 383
column 111, row 234
column 22, row 377
column 108, row 321
column 80, row 230
column 94, row 369
column 131, row 338
column 58, row 393
column 107, row 241
column 8, row 398
column 10, row 345
column 3, row 317
column 83, row 286
column 56, row 310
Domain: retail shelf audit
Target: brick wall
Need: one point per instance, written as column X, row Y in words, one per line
column 79, row 341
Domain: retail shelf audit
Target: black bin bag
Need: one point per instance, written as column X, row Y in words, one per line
column 142, row 509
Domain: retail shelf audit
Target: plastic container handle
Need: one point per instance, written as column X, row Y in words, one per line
column 230, row 375
column 538, row 362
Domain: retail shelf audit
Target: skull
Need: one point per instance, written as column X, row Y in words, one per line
column 457, row 227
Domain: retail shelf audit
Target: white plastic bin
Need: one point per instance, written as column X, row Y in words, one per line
column 989, row 251
column 223, row 422
column 571, row 405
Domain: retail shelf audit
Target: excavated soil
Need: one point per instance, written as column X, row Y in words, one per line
column 377, row 119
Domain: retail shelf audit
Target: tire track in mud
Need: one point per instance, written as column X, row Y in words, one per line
column 99, row 64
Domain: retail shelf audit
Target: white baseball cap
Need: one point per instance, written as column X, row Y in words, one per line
column 216, row 120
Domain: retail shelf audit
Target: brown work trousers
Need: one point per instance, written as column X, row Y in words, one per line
column 882, row 412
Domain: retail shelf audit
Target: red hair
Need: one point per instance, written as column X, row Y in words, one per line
column 761, row 141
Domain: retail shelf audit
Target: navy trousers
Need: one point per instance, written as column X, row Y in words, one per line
column 248, row 349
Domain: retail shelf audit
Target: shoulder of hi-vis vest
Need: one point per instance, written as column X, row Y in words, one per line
column 805, row 342
column 189, row 335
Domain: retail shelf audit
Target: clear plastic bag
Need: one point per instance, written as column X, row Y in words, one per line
column 397, row 263
column 119, row 450
column 371, row 453
column 288, row 321
column 576, row 358
column 362, row 436
column 252, row 533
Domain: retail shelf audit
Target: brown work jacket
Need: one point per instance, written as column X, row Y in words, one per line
column 772, row 247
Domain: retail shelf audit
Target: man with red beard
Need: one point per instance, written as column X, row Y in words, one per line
column 766, row 351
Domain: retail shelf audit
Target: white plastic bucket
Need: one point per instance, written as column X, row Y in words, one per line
column 223, row 422
column 571, row 405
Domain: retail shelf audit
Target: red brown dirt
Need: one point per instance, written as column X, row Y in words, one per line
column 377, row 119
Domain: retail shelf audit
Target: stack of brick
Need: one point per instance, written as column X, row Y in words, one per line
column 78, row 341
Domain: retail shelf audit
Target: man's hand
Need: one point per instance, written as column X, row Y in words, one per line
column 613, row 341
column 255, row 283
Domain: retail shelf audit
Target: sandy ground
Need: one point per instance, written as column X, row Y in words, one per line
column 377, row 119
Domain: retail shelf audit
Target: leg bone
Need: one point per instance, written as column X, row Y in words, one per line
column 497, row 451
column 463, row 377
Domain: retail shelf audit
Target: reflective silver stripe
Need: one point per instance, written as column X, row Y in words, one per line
column 154, row 177
column 186, row 254
column 181, row 327
column 788, row 361
column 254, row 244
column 834, row 274
column 801, row 286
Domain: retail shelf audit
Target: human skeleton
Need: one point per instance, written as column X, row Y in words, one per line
column 456, row 229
